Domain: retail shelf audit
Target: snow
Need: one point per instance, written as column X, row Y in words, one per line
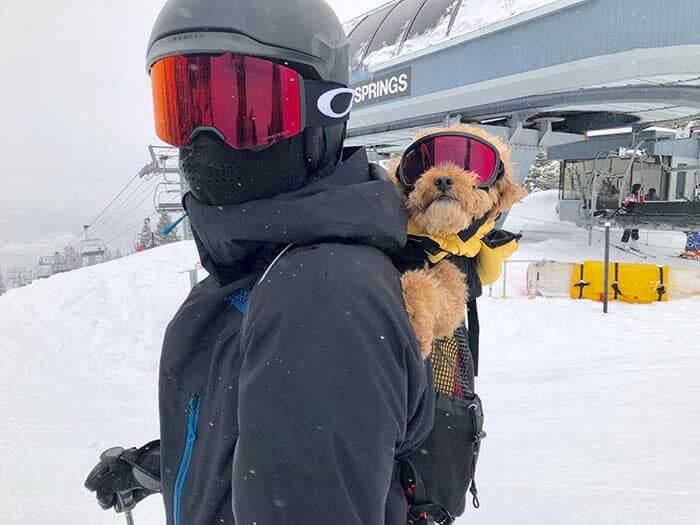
column 472, row 16
column 590, row 418
column 79, row 375
column 477, row 15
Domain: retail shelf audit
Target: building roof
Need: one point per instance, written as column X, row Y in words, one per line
column 402, row 27
column 582, row 64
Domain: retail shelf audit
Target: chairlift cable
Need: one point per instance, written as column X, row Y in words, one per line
column 113, row 200
column 120, row 216
column 135, row 194
column 130, row 229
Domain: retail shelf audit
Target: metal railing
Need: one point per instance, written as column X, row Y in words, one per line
column 504, row 275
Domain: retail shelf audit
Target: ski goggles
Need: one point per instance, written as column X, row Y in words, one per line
column 464, row 150
column 249, row 102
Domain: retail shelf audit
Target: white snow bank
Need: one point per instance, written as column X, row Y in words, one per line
column 538, row 211
column 591, row 419
column 79, row 374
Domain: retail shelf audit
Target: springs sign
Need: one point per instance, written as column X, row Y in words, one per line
column 382, row 88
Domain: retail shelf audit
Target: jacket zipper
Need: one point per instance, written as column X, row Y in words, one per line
column 193, row 406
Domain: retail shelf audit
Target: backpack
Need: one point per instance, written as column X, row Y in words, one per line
column 437, row 477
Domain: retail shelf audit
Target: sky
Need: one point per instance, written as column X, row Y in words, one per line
column 75, row 105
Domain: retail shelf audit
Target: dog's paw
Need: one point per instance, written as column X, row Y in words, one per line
column 421, row 292
column 453, row 296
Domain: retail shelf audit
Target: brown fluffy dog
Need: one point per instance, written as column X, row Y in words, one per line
column 435, row 297
column 444, row 213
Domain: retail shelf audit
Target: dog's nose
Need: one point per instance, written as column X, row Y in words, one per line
column 444, row 184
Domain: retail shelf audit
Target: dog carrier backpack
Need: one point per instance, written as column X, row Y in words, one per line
column 438, row 476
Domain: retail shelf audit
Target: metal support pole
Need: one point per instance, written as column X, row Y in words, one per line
column 606, row 278
column 505, row 277
column 193, row 278
column 593, row 208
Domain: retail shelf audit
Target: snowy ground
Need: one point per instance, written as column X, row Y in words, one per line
column 591, row 419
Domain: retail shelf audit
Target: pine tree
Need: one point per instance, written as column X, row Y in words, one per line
column 163, row 222
column 146, row 239
column 543, row 174
column 3, row 289
column 72, row 257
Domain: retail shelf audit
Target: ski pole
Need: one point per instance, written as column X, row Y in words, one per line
column 125, row 498
column 125, row 504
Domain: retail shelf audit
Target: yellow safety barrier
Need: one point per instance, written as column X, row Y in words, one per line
column 628, row 282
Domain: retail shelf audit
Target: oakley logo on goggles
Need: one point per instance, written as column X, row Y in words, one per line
column 249, row 101
column 464, row 150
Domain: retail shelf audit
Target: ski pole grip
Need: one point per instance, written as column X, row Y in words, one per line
column 125, row 502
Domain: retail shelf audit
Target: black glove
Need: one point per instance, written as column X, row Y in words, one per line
column 122, row 478
column 497, row 238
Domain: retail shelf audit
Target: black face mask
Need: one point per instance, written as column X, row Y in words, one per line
column 220, row 175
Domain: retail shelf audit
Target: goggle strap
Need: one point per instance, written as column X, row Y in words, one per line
column 319, row 98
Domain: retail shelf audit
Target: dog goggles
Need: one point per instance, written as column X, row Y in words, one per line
column 249, row 102
column 464, row 150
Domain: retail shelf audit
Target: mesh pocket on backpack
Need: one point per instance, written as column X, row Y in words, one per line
column 453, row 367
column 439, row 475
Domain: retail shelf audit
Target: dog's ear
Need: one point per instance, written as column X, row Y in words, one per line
column 392, row 166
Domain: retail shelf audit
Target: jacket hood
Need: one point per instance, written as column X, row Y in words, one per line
column 346, row 206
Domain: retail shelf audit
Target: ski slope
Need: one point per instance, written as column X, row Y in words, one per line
column 590, row 419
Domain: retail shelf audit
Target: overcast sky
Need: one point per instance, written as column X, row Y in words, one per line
column 76, row 117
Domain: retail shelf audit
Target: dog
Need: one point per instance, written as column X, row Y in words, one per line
column 444, row 203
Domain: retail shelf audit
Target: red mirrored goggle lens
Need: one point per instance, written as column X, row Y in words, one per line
column 465, row 152
column 252, row 102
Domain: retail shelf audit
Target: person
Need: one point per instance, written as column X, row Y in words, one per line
column 692, row 246
column 632, row 197
column 651, row 195
column 290, row 379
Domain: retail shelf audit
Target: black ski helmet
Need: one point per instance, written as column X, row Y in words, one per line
column 304, row 34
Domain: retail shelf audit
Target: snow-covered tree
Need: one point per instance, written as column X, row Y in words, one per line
column 164, row 221
column 72, row 257
column 146, row 239
column 3, row 289
column 543, row 175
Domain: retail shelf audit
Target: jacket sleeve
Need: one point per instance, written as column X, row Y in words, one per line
column 496, row 247
column 324, row 399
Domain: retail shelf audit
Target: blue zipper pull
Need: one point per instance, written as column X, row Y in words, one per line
column 192, row 419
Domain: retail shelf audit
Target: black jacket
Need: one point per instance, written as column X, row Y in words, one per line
column 294, row 411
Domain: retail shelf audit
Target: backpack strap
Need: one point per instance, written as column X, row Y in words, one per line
column 422, row 511
column 274, row 261
column 241, row 298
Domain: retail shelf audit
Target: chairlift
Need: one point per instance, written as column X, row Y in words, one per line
column 45, row 268
column 653, row 215
column 167, row 197
column 51, row 265
column 92, row 251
